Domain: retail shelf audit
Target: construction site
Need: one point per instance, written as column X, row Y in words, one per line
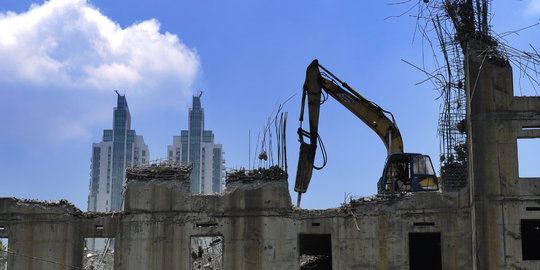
column 475, row 213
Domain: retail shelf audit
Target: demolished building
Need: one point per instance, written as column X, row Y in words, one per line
column 491, row 223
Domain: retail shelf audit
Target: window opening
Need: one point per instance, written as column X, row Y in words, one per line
column 425, row 251
column 530, row 239
column 528, row 149
column 207, row 252
column 315, row 251
column 399, row 168
column 423, row 223
column 531, row 128
column 3, row 253
column 209, row 224
column 422, row 165
column 98, row 253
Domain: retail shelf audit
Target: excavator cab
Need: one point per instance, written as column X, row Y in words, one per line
column 408, row 172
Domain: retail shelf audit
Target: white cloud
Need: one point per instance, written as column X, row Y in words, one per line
column 533, row 7
column 70, row 43
column 68, row 50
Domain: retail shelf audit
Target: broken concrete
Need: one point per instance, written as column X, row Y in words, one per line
column 273, row 173
column 98, row 260
column 164, row 171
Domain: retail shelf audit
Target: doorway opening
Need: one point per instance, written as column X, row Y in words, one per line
column 425, row 251
column 315, row 251
column 530, row 239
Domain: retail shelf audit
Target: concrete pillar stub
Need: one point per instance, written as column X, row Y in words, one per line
column 158, row 188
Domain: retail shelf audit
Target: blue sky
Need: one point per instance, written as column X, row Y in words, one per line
column 62, row 59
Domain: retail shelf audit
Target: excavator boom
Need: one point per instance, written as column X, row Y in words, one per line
column 370, row 113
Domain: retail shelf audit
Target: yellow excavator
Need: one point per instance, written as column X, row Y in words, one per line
column 402, row 172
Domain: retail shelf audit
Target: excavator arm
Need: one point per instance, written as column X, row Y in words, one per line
column 370, row 113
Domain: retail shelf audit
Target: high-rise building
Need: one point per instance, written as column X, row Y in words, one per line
column 197, row 146
column 120, row 147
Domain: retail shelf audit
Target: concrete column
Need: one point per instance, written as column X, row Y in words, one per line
column 489, row 96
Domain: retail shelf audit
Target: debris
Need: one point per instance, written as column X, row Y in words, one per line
column 3, row 255
column 263, row 156
column 271, row 174
column 162, row 171
column 62, row 204
column 313, row 262
column 378, row 198
column 47, row 203
column 204, row 255
column 98, row 259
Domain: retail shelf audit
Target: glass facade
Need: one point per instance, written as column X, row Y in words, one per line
column 94, row 184
column 107, row 135
column 217, row 158
column 184, row 140
column 196, row 146
column 208, row 136
column 195, row 138
column 120, row 155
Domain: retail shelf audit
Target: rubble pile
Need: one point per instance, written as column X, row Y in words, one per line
column 3, row 257
column 274, row 173
column 315, row 262
column 48, row 203
column 207, row 252
column 163, row 171
column 61, row 204
column 98, row 259
column 380, row 198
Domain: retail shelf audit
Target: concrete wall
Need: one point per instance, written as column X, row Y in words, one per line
column 259, row 226
column 40, row 236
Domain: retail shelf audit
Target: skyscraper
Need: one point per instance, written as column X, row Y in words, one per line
column 197, row 146
column 120, row 147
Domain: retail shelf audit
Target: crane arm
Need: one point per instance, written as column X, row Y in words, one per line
column 370, row 113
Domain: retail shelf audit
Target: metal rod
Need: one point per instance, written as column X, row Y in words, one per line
column 249, row 150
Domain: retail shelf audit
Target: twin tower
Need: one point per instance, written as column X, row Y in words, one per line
column 121, row 147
